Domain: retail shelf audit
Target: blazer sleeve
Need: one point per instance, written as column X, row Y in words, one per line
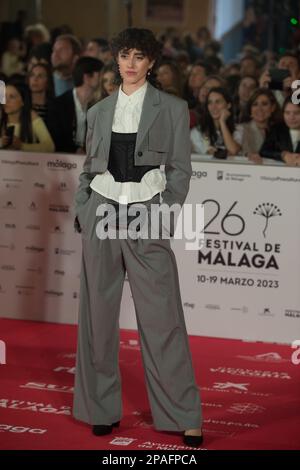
column 84, row 191
column 178, row 168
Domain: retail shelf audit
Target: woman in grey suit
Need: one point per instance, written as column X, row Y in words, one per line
column 130, row 134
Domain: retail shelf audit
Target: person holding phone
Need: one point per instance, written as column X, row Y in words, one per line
column 29, row 130
column 281, row 78
column 8, row 137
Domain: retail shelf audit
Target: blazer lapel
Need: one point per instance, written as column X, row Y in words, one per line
column 104, row 120
column 150, row 110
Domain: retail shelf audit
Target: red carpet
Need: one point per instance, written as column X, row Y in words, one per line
column 250, row 394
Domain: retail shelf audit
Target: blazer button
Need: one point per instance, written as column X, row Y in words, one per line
column 140, row 153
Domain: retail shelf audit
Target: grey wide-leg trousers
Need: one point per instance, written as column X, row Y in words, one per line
column 152, row 273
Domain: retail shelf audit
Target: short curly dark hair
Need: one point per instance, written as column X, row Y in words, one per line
column 137, row 38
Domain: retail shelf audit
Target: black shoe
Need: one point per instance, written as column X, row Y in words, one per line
column 193, row 441
column 103, row 429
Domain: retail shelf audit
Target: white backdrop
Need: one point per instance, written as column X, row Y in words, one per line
column 244, row 283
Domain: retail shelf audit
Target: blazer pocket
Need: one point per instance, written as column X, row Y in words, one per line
column 158, row 148
column 154, row 157
column 96, row 154
column 96, row 140
column 98, row 165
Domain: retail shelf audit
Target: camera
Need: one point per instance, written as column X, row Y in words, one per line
column 9, row 132
column 221, row 153
column 277, row 78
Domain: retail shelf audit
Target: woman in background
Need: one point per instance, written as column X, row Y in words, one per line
column 41, row 86
column 108, row 81
column 216, row 133
column 263, row 112
column 29, row 130
column 169, row 77
column 245, row 89
column 212, row 81
column 283, row 141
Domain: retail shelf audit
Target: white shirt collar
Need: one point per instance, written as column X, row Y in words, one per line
column 135, row 97
column 295, row 137
column 78, row 106
column 295, row 132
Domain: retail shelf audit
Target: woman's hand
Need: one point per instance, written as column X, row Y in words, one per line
column 287, row 83
column 291, row 159
column 265, row 80
column 5, row 140
column 255, row 158
column 80, row 151
column 16, row 143
column 225, row 113
column 211, row 150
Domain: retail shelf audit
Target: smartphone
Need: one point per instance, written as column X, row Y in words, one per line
column 277, row 78
column 9, row 132
column 221, row 153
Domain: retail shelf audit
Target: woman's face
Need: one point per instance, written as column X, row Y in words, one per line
column 197, row 77
column 108, row 82
column 36, row 38
column 291, row 116
column 165, row 76
column 216, row 104
column 246, row 88
column 248, row 67
column 38, row 80
column 205, row 89
column 262, row 109
column 92, row 50
column 14, row 102
column 133, row 66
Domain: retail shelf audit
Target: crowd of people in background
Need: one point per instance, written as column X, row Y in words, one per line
column 242, row 108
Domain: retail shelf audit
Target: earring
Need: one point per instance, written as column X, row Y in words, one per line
column 149, row 72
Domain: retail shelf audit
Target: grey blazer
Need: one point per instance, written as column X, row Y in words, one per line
column 163, row 138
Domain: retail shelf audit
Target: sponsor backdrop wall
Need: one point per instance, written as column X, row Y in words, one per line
column 244, row 283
